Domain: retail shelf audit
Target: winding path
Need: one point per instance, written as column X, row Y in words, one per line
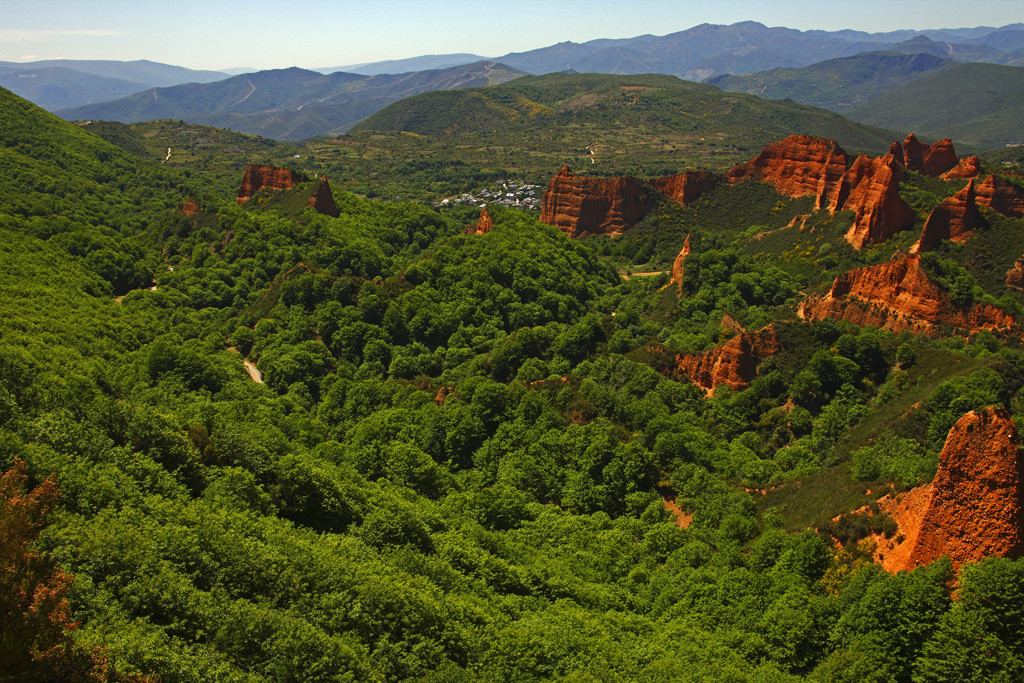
column 246, row 94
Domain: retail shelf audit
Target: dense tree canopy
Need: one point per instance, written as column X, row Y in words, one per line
column 457, row 462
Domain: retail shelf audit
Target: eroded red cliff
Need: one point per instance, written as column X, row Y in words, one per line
column 483, row 224
column 257, row 177
column 954, row 218
column 968, row 167
column 974, row 508
column 1015, row 276
column 684, row 187
column 580, row 206
column 322, row 200
column 804, row 165
column 1005, row 197
column 871, row 189
column 932, row 160
column 733, row 364
column 678, row 268
column 190, row 208
column 796, row 166
column 899, row 296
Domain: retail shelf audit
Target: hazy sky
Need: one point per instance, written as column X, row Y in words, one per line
column 264, row 34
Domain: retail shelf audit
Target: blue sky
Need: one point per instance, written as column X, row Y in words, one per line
column 263, row 34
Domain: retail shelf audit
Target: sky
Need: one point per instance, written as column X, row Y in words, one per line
column 268, row 34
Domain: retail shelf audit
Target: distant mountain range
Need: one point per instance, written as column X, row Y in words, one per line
column 839, row 70
column 837, row 84
column 60, row 83
column 398, row 66
column 288, row 104
column 708, row 50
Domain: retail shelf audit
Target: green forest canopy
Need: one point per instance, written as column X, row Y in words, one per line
column 456, row 464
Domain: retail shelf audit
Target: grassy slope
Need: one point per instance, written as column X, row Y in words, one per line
column 836, row 84
column 217, row 153
column 817, row 498
column 654, row 103
column 975, row 104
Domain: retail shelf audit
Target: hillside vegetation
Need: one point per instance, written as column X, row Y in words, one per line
column 977, row 104
column 467, row 457
column 837, row 84
column 287, row 104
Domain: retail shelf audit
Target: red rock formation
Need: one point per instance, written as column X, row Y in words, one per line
column 871, row 189
column 797, row 166
column 483, row 224
column 940, row 158
column 898, row 296
column 804, row 165
column 1015, row 275
column 733, row 363
column 974, row 508
column 257, row 177
column 190, row 208
column 677, row 267
column 968, row 167
column 954, row 218
column 894, row 160
column 1005, row 197
column 931, row 160
column 683, row 188
column 731, row 323
column 322, row 200
column 587, row 206
column 913, row 154
column 581, row 206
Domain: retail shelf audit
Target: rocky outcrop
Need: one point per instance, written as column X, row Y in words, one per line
column 322, row 199
column 871, row 189
column 678, row 267
column 190, row 208
column 940, row 158
column 796, row 166
column 805, row 165
column 257, row 177
column 580, row 206
column 1001, row 195
column 968, row 167
column 733, row 363
column 894, row 159
column 483, row 224
column 932, row 160
column 899, row 296
column 913, row 154
column 974, row 508
column 954, row 218
column 683, row 188
column 1015, row 276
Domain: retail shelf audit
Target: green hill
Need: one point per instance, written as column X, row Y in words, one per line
column 975, row 104
column 598, row 124
column 575, row 106
column 652, row 101
column 836, row 84
column 287, row 104
column 218, row 153
column 291, row 447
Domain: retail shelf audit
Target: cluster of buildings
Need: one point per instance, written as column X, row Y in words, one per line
column 511, row 193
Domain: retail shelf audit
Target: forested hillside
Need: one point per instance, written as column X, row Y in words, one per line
column 467, row 457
